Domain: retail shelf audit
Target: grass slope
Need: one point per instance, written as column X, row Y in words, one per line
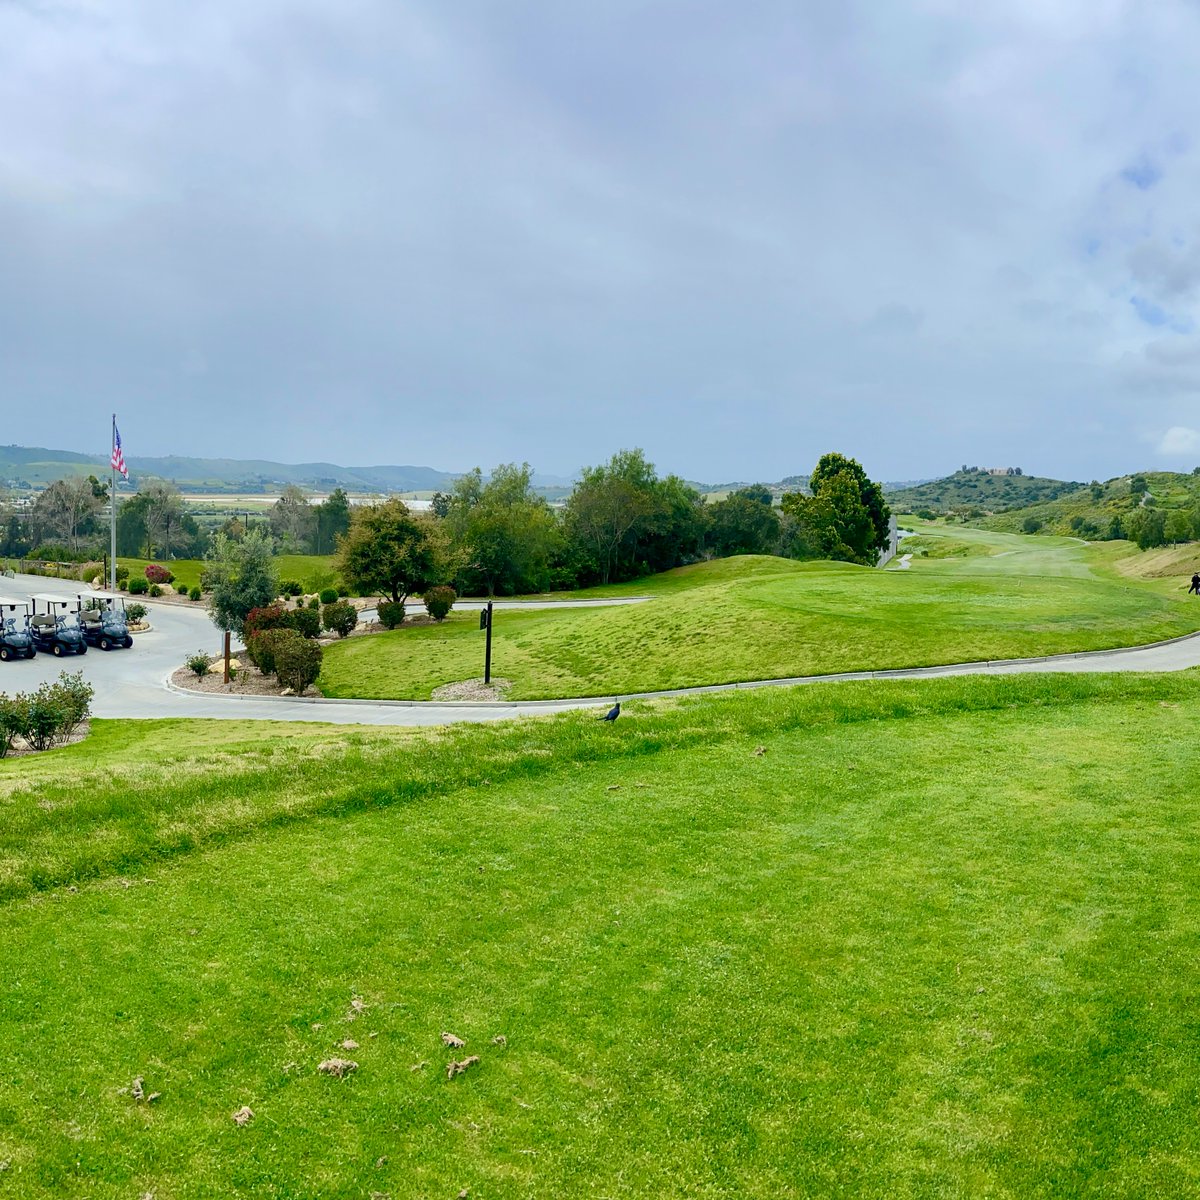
column 1091, row 515
column 760, row 618
column 894, row 940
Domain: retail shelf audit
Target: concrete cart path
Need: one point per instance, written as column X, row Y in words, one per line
column 133, row 683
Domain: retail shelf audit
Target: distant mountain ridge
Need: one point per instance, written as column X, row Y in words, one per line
column 37, row 466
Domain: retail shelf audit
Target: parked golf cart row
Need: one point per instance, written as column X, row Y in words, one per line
column 58, row 626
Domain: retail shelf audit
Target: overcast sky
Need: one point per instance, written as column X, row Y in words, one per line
column 450, row 232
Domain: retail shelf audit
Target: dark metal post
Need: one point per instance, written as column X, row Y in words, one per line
column 227, row 656
column 487, row 659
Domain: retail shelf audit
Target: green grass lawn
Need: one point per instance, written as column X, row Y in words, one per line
column 888, row 940
column 300, row 567
column 989, row 595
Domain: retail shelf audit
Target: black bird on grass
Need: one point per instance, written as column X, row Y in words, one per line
column 612, row 714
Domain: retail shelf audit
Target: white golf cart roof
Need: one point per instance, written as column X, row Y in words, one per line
column 101, row 596
column 9, row 602
column 45, row 598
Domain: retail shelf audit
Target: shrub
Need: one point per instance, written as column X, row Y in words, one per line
column 270, row 616
column 122, row 574
column 343, row 591
column 47, row 716
column 156, row 589
column 439, row 601
column 262, row 647
column 135, row 613
column 298, row 663
column 12, row 723
column 138, row 587
column 195, row 593
column 340, row 617
column 157, row 573
column 329, row 595
column 290, row 587
column 198, row 664
column 305, row 621
column 390, row 613
column 73, row 695
column 314, row 602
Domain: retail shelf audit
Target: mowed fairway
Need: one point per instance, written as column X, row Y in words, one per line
column 761, row 618
column 890, row 940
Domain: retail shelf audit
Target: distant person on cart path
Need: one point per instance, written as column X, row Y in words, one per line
column 1195, row 585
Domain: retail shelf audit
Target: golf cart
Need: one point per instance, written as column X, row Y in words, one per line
column 54, row 627
column 15, row 638
column 102, row 620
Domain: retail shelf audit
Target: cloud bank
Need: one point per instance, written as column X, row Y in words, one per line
column 370, row 230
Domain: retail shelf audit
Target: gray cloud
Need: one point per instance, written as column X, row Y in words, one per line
column 382, row 231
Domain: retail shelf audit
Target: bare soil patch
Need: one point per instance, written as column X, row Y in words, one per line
column 248, row 681
column 474, row 689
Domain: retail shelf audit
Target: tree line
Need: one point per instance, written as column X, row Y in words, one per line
column 493, row 535
column 621, row 521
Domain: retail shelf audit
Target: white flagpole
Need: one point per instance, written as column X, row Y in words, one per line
column 112, row 508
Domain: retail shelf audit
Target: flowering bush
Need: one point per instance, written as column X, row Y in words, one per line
column 157, row 573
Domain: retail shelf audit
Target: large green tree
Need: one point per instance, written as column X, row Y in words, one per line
column 845, row 517
column 240, row 576
column 503, row 532
column 294, row 520
column 622, row 520
column 743, row 523
column 390, row 551
column 333, row 520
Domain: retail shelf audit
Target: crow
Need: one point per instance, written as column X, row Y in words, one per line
column 612, row 714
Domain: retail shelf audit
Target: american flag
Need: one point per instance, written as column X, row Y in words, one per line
column 118, row 459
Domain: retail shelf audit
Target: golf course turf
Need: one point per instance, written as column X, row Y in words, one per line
column 889, row 939
column 754, row 617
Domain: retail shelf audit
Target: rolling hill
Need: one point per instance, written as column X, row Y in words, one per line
column 974, row 489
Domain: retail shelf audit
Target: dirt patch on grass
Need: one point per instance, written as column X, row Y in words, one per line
column 249, row 681
column 474, row 689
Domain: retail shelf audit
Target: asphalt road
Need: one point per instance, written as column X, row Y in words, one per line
column 133, row 683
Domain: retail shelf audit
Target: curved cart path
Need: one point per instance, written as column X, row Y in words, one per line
column 134, row 683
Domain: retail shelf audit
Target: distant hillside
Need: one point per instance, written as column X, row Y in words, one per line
column 1102, row 510
column 35, row 466
column 25, row 466
column 975, row 489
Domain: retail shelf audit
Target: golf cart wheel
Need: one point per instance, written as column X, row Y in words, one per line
column 82, row 648
column 4, row 654
column 128, row 642
column 57, row 650
column 104, row 644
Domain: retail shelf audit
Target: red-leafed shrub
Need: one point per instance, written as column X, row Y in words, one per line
column 157, row 573
column 271, row 616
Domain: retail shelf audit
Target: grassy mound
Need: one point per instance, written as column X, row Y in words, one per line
column 992, row 596
column 879, row 940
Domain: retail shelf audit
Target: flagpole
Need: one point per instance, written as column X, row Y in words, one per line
column 112, row 508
